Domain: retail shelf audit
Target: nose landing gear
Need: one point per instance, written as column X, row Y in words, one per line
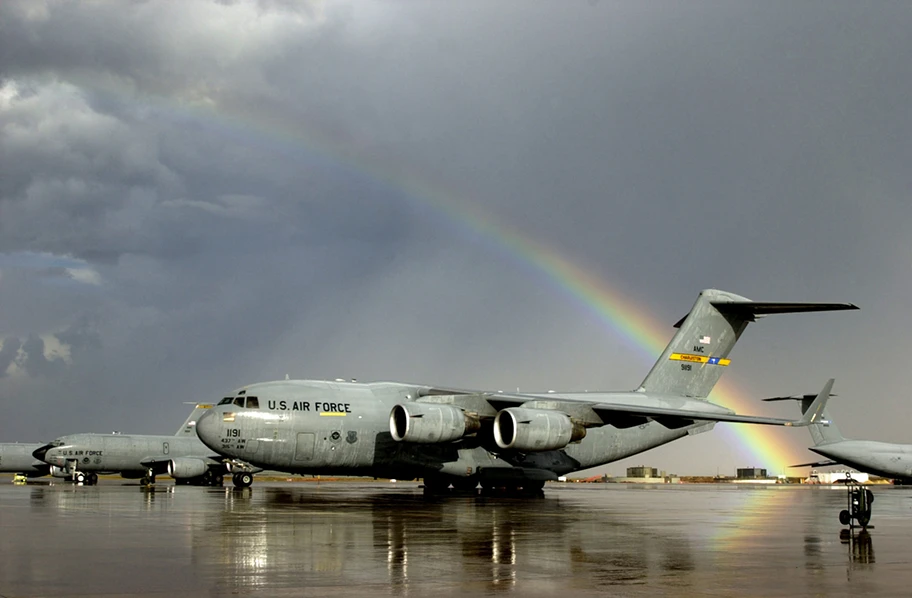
column 86, row 479
column 242, row 480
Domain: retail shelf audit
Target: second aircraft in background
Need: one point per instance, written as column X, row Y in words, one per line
column 885, row 459
column 81, row 457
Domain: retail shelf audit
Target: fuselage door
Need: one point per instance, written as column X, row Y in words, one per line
column 304, row 447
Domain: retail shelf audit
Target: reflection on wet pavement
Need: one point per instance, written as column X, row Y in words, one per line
column 341, row 539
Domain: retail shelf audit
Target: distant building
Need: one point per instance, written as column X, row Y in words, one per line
column 836, row 477
column 642, row 472
column 646, row 475
column 751, row 473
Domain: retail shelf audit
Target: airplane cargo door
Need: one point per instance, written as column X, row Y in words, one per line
column 304, row 448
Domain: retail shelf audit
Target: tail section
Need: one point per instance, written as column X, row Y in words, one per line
column 698, row 353
column 826, row 432
column 823, row 429
column 189, row 427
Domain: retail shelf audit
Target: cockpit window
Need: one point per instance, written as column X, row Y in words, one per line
column 253, row 403
column 226, row 401
column 239, row 401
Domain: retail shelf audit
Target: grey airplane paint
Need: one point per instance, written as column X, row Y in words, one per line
column 885, row 459
column 17, row 458
column 463, row 437
column 81, row 457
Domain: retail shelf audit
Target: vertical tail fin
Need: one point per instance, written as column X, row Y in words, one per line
column 189, row 427
column 698, row 353
column 825, row 432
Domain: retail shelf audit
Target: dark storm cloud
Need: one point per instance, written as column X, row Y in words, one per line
column 36, row 363
column 248, row 189
column 8, row 353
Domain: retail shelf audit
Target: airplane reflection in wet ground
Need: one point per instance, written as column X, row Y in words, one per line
column 351, row 538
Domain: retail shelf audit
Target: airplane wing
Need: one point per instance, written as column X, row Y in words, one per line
column 679, row 418
column 626, row 414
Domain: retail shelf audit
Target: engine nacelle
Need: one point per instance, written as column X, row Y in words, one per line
column 59, row 472
column 535, row 429
column 185, row 467
column 430, row 422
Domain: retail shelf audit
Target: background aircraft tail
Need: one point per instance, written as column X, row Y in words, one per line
column 824, row 433
column 698, row 353
column 189, row 427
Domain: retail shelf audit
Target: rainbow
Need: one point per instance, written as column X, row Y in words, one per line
column 619, row 312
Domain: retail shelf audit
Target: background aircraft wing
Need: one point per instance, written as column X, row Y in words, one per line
column 817, row 464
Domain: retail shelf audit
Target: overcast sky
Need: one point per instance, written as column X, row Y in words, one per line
column 198, row 195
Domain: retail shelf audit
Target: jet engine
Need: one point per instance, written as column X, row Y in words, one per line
column 430, row 422
column 59, row 472
column 530, row 430
column 184, row 467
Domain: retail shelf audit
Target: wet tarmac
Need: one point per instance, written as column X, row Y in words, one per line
column 385, row 539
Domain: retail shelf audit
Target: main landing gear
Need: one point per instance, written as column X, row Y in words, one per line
column 242, row 480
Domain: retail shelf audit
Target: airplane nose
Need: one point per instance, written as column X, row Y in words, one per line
column 41, row 452
column 207, row 428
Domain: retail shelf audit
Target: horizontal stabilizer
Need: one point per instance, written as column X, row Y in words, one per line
column 816, row 464
column 797, row 397
column 749, row 310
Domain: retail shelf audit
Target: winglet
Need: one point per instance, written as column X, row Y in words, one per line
column 814, row 413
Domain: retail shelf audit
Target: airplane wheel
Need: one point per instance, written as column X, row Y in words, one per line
column 145, row 481
column 93, row 478
column 218, row 480
column 79, row 478
column 242, row 480
column 844, row 517
column 533, row 486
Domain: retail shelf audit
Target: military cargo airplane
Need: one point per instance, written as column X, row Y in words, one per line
column 884, row 459
column 17, row 458
column 501, row 440
column 81, row 457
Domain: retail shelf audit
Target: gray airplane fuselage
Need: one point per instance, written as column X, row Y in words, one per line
column 879, row 458
column 17, row 458
column 124, row 453
column 342, row 428
column 521, row 440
